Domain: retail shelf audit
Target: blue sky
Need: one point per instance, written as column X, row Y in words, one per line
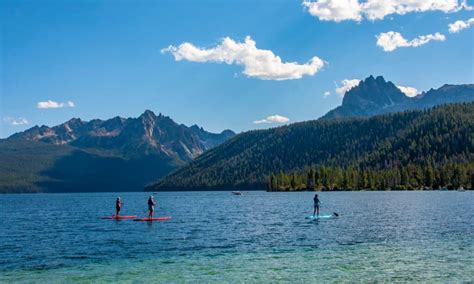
column 100, row 59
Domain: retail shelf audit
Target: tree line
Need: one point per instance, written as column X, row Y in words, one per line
column 411, row 177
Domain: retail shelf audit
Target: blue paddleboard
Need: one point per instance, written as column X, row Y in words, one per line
column 319, row 217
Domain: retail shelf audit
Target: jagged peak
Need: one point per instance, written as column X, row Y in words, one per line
column 378, row 80
column 196, row 127
column 375, row 91
column 75, row 120
column 148, row 113
column 370, row 78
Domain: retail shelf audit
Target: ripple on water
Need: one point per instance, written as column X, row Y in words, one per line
column 215, row 237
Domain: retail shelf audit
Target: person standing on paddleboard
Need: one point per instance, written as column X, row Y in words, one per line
column 118, row 206
column 151, row 206
column 316, row 205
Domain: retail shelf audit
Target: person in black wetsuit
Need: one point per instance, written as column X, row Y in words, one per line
column 151, row 206
column 316, row 205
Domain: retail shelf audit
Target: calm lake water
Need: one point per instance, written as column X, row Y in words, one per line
column 216, row 236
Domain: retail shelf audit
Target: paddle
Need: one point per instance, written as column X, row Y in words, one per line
column 334, row 213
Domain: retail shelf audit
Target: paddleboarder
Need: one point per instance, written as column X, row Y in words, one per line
column 316, row 205
column 151, row 206
column 118, row 206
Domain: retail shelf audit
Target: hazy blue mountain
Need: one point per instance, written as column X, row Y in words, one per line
column 100, row 155
column 375, row 96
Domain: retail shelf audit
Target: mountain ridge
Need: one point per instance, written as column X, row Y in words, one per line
column 117, row 154
column 374, row 96
column 441, row 134
column 147, row 134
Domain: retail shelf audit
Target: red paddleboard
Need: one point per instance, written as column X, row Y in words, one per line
column 120, row 217
column 153, row 219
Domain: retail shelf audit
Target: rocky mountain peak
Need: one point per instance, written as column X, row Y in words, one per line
column 148, row 115
column 375, row 95
column 146, row 135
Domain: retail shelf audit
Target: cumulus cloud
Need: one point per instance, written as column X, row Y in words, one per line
column 326, row 94
column 346, row 85
column 335, row 10
column 258, row 63
column 15, row 121
column 53, row 104
column 273, row 119
column 342, row 10
column 409, row 91
column 390, row 41
column 460, row 25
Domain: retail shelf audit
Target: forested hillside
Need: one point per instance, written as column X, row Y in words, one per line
column 437, row 137
column 118, row 154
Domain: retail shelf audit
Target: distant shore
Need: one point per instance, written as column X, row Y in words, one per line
column 355, row 190
column 249, row 189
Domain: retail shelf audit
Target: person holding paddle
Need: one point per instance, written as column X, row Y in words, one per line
column 151, row 206
column 316, row 205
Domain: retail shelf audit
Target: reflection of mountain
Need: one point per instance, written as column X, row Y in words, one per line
column 111, row 155
column 376, row 96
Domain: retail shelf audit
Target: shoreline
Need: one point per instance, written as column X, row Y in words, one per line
column 249, row 190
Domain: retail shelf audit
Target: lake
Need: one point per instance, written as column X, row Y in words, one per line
column 256, row 237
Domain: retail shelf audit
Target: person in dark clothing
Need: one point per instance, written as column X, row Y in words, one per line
column 316, row 205
column 118, row 206
column 151, row 206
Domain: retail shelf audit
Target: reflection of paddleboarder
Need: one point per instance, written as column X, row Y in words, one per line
column 316, row 204
column 118, row 206
column 151, row 206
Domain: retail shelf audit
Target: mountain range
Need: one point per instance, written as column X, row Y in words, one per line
column 246, row 160
column 116, row 154
column 374, row 96
column 125, row 154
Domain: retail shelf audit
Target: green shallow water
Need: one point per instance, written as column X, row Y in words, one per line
column 427, row 262
column 259, row 237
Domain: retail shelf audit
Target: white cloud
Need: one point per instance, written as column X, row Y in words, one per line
column 335, row 10
column 15, row 121
column 341, row 10
column 460, row 25
column 346, row 85
column 390, row 41
column 273, row 119
column 258, row 63
column 409, row 91
column 53, row 104
column 326, row 94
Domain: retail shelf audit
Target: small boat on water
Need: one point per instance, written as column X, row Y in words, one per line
column 236, row 193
